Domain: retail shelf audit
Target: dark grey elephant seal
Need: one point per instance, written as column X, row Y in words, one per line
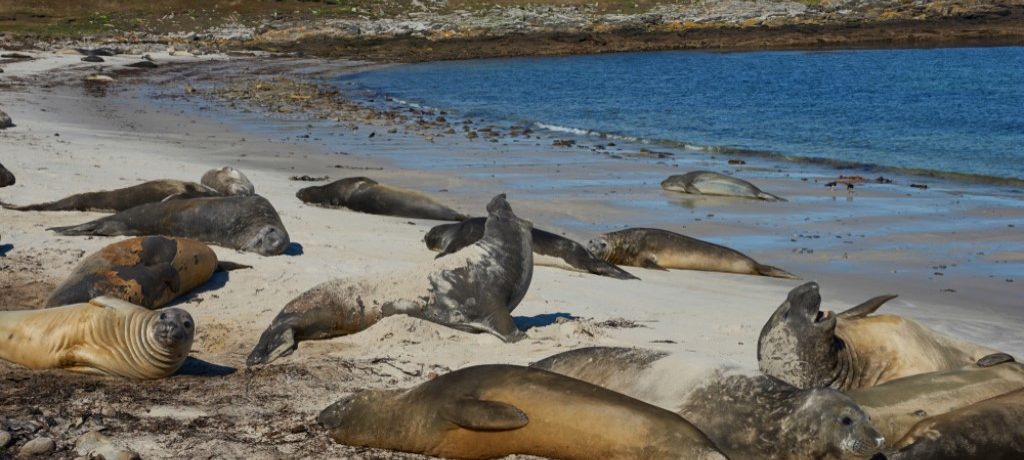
column 6, row 177
column 474, row 289
column 449, row 238
column 228, row 181
column 747, row 415
column 662, row 249
column 122, row 198
column 366, row 195
column 712, row 183
column 247, row 223
column 494, row 411
column 809, row 348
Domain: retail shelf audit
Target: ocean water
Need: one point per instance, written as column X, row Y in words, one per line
column 958, row 111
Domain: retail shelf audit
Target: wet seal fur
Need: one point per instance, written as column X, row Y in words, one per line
column 492, row 411
column 105, row 336
column 712, row 183
column 474, row 289
column 661, row 249
column 148, row 271
column 748, row 416
column 247, row 223
column 449, row 238
column 228, row 181
column 6, row 177
column 809, row 348
column 366, row 195
column 123, row 198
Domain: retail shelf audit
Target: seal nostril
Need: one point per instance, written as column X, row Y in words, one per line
column 879, row 456
column 163, row 316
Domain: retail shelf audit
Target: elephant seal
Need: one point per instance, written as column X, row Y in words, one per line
column 247, row 223
column 228, row 181
column 492, row 411
column 122, row 198
column 712, row 183
column 662, row 249
column 449, row 238
column 474, row 289
column 748, row 416
column 6, row 178
column 896, row 406
column 148, row 271
column 104, row 336
column 809, row 348
column 366, row 195
column 988, row 430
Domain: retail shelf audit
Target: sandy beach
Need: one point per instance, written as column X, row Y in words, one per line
column 69, row 138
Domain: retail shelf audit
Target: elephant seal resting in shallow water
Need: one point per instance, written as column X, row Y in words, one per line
column 712, row 183
column 366, row 195
column 493, row 411
column 122, row 198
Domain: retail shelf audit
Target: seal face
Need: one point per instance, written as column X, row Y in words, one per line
column 6, row 177
column 493, row 411
column 228, row 181
column 367, row 195
column 712, row 183
column 122, row 198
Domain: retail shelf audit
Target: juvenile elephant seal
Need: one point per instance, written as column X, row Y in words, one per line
column 662, row 249
column 247, row 223
column 449, row 238
column 6, row 178
column 366, row 195
column 748, row 416
column 474, row 289
column 809, row 348
column 122, row 198
column 712, row 183
column 493, row 411
column 228, row 181
column 105, row 336
column 148, row 271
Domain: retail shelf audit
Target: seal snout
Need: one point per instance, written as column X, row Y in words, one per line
column 334, row 415
column 806, row 298
column 273, row 241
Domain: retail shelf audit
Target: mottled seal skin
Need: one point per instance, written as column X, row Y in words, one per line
column 895, row 407
column 474, row 289
column 105, row 336
column 988, row 430
column 662, row 249
column 809, row 348
column 122, row 198
column 6, row 177
column 247, row 223
column 493, row 411
column 449, row 238
column 228, row 181
column 712, row 183
column 366, row 195
column 148, row 271
column 748, row 416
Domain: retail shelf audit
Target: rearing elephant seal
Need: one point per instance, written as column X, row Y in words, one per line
column 366, row 195
column 493, row 411
column 712, row 183
column 449, row 238
column 105, row 336
column 248, row 223
column 228, row 181
column 474, row 289
column 808, row 348
column 6, row 178
column 662, row 249
column 747, row 415
column 122, row 198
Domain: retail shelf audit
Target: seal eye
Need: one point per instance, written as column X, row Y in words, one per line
column 163, row 316
column 187, row 324
column 846, row 421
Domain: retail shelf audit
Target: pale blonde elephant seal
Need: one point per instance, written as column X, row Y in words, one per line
column 228, row 181
column 105, row 336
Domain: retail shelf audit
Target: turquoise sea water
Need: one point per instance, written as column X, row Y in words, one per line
column 944, row 110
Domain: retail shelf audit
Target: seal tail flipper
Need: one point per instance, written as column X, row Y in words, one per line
column 225, row 266
column 612, row 271
column 774, row 272
column 28, row 207
column 995, row 358
column 769, row 197
column 97, row 227
column 276, row 342
column 483, row 415
column 866, row 308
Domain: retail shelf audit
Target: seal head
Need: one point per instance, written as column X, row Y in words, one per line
column 6, row 178
column 228, row 181
column 798, row 343
column 174, row 330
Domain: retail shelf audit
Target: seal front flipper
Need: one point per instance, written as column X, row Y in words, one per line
column 652, row 264
column 776, row 272
column 482, row 415
column 866, row 308
column 994, row 359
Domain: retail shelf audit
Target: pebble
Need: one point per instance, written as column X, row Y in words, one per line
column 5, row 439
column 95, row 444
column 37, row 446
column 5, row 120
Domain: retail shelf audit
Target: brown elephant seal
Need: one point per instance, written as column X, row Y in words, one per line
column 449, row 238
column 122, row 198
column 104, row 336
column 366, row 195
column 247, row 223
column 148, row 271
column 896, row 406
column 712, row 183
column 747, row 415
column 809, row 348
column 988, row 430
column 474, row 289
column 6, row 177
column 662, row 249
column 492, row 411
column 228, row 181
